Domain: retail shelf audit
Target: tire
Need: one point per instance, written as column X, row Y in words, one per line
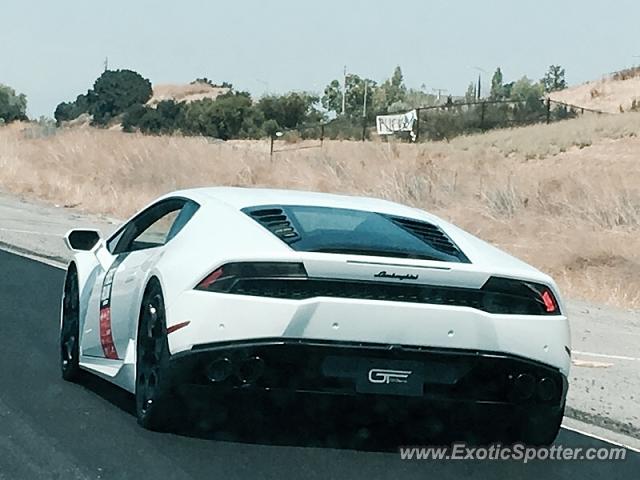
column 541, row 428
column 153, row 388
column 70, row 328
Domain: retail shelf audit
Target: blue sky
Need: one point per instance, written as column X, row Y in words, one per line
column 52, row 51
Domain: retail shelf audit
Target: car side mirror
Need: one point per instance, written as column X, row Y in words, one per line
column 82, row 240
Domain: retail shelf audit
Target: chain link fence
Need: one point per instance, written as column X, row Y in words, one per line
column 436, row 122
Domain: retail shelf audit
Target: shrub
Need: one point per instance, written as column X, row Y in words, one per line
column 271, row 127
column 291, row 110
column 228, row 116
column 67, row 111
column 165, row 118
column 12, row 106
column 113, row 94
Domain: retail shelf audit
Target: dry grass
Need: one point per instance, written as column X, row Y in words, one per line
column 610, row 94
column 564, row 197
column 185, row 93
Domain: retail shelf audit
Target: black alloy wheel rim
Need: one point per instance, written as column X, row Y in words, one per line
column 150, row 352
column 70, row 320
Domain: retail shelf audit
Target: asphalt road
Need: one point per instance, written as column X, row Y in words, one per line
column 53, row 429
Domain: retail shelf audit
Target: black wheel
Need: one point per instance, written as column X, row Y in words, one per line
column 153, row 395
column 70, row 328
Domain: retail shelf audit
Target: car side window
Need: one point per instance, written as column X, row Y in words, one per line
column 153, row 227
column 155, row 235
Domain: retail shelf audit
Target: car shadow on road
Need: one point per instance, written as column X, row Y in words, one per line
column 295, row 420
column 114, row 395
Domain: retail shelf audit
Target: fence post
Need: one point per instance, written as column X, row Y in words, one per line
column 322, row 135
column 271, row 148
column 417, row 125
column 483, row 107
column 548, row 109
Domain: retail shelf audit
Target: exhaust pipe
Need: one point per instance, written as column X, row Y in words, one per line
column 546, row 389
column 219, row 370
column 524, row 386
column 250, row 370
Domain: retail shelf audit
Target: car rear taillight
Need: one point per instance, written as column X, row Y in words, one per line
column 210, row 279
column 549, row 301
column 506, row 295
column 225, row 277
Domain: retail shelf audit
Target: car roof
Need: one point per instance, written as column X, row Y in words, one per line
column 240, row 197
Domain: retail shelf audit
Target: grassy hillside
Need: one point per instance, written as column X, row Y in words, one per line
column 609, row 94
column 185, row 93
column 565, row 197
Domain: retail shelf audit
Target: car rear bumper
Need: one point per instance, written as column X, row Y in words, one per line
column 216, row 319
column 415, row 374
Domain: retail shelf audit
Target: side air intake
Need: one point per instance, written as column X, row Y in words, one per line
column 431, row 235
column 276, row 221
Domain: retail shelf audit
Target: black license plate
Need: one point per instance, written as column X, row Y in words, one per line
column 390, row 377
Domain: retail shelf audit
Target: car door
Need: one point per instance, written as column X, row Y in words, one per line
column 135, row 248
column 91, row 333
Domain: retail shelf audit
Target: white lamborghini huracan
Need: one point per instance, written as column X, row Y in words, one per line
column 310, row 293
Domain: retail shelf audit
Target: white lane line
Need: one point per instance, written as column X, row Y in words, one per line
column 11, row 230
column 598, row 437
column 590, row 363
column 604, row 355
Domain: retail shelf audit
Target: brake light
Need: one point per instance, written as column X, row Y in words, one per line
column 506, row 295
column 549, row 302
column 210, row 279
column 224, row 278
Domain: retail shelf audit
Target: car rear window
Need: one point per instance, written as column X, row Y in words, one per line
column 356, row 232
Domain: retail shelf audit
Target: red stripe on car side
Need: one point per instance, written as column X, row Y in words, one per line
column 106, row 338
column 177, row 326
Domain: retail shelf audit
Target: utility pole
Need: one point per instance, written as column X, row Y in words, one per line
column 364, row 103
column 344, row 91
column 440, row 91
column 364, row 112
column 106, row 63
column 479, row 87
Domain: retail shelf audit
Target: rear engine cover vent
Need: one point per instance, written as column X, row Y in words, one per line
column 431, row 235
column 277, row 222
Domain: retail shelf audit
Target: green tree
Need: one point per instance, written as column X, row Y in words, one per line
column 470, row 94
column 132, row 117
column 291, row 110
column 497, row 87
column 507, row 89
column 115, row 91
column 413, row 99
column 332, row 98
column 394, row 88
column 524, row 89
column 12, row 106
column 67, row 111
column 271, row 127
column 529, row 94
column 554, row 79
column 165, row 118
column 354, row 103
column 228, row 116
